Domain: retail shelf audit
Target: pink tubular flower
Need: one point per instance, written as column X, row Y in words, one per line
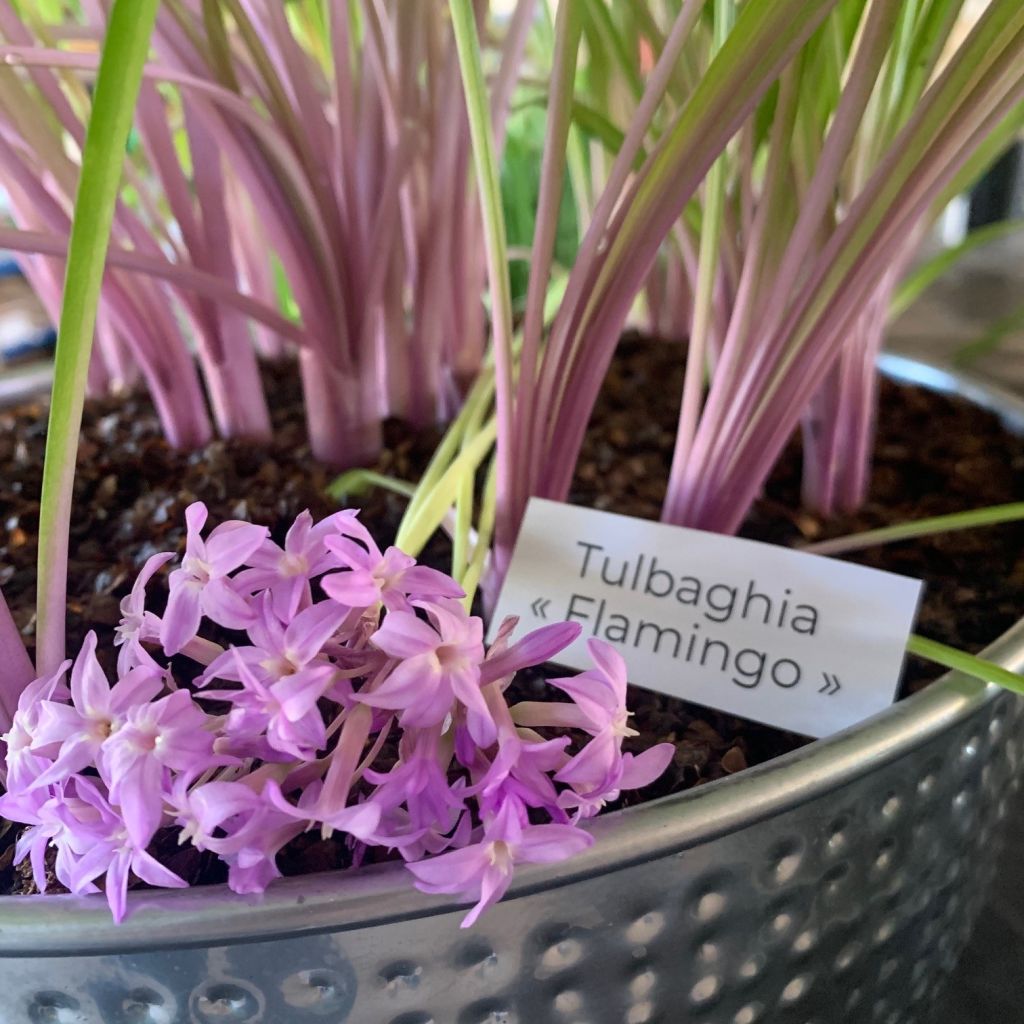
column 634, row 771
column 285, row 573
column 310, row 708
column 47, row 812
column 171, row 733
column 137, row 624
column 439, row 663
column 522, row 770
column 111, row 851
column 391, row 578
column 24, row 767
column 541, row 645
column 285, row 712
column 75, row 733
column 279, row 651
column 431, row 808
column 250, row 830
column 484, row 870
column 201, row 586
column 600, row 698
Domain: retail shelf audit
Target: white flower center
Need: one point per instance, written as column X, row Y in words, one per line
column 620, row 725
column 293, row 565
column 500, row 855
column 197, row 568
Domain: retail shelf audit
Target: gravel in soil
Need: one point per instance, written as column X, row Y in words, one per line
column 933, row 455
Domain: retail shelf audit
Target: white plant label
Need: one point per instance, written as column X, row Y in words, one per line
column 798, row 641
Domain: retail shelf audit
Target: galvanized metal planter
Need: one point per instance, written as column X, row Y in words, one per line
column 838, row 883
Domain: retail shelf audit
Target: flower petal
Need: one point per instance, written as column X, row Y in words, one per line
column 546, row 844
column 535, row 648
column 90, row 690
column 639, row 770
column 227, row 608
column 405, row 636
column 184, row 612
column 311, row 629
column 232, row 543
column 354, row 588
column 138, row 791
column 150, row 870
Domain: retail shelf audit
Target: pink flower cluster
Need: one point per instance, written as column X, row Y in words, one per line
column 352, row 653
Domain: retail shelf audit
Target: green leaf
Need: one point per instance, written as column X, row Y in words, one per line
column 922, row 277
column 356, row 482
column 416, row 531
column 969, row 664
column 991, row 339
column 995, row 514
column 117, row 86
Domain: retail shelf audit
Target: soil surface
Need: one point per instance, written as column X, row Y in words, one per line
column 933, row 455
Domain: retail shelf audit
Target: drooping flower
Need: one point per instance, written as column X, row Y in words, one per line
column 438, row 663
column 110, row 850
column 416, row 797
column 522, row 770
column 201, row 586
column 484, row 869
column 23, row 766
column 600, row 699
column 138, row 624
column 46, row 812
column 634, row 771
column 241, row 826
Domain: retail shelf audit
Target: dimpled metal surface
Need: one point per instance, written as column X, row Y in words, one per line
column 836, row 884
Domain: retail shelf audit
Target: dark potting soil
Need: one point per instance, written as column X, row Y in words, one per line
column 933, row 455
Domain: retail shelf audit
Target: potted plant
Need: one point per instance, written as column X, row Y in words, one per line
column 245, row 742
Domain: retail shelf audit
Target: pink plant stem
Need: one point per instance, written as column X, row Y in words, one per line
column 513, row 48
column 552, row 174
column 558, row 355
column 252, row 255
column 225, row 347
column 880, row 20
column 608, row 305
column 18, row 670
column 823, row 427
column 184, row 278
column 341, row 415
column 345, row 757
column 169, row 371
column 166, row 367
column 864, row 69
column 122, row 369
column 860, row 405
column 742, row 479
column 950, row 148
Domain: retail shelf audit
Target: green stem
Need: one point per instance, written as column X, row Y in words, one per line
column 920, row 528
column 117, row 86
column 978, row 668
column 495, row 244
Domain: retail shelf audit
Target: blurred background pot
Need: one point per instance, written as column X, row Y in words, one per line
column 838, row 883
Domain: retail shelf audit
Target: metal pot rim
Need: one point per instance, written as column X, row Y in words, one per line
column 381, row 894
